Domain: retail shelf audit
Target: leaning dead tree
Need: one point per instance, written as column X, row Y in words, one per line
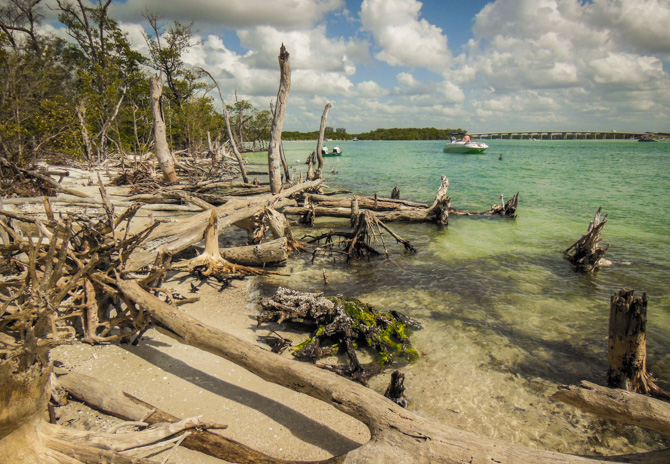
column 162, row 149
column 586, row 254
column 238, row 156
column 274, row 152
column 627, row 343
column 319, row 143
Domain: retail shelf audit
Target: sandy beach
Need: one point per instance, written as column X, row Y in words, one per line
column 187, row 382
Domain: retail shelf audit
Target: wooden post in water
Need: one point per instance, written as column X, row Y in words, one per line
column 627, row 345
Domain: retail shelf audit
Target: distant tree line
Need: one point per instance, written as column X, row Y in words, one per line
column 89, row 96
column 408, row 133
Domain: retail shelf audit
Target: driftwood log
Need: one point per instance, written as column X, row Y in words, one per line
column 109, row 400
column 175, row 237
column 397, row 435
column 620, row 405
column 395, row 210
column 586, row 254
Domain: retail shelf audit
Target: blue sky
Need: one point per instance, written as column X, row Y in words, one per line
column 483, row 66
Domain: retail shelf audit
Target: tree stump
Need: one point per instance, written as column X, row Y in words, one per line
column 586, row 253
column 627, row 353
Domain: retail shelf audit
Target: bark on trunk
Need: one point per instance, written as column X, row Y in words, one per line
column 274, row 152
column 162, row 150
column 627, row 358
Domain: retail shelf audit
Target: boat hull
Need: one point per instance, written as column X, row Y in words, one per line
column 472, row 148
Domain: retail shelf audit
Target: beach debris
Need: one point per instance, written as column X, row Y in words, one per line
column 277, row 344
column 586, row 254
column 343, row 325
column 396, row 389
column 506, row 208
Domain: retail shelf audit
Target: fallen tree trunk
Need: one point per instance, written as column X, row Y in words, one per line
column 397, row 435
column 272, row 253
column 616, row 404
column 176, row 236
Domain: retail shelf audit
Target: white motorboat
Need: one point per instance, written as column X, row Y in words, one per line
column 469, row 147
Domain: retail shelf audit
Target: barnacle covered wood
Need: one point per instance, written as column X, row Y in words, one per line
column 342, row 325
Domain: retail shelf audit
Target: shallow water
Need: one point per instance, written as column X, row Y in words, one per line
column 505, row 317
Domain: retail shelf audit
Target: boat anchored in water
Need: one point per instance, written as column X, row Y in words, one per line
column 336, row 151
column 464, row 146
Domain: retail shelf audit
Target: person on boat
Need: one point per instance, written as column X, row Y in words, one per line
column 466, row 139
column 453, row 139
column 336, row 150
column 324, row 150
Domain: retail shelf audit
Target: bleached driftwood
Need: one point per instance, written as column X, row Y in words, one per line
column 176, row 236
column 616, row 404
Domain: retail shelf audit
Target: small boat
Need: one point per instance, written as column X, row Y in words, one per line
column 646, row 138
column 465, row 147
column 336, row 151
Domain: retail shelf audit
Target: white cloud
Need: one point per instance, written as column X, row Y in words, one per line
column 310, row 49
column 286, row 14
column 565, row 61
column 404, row 38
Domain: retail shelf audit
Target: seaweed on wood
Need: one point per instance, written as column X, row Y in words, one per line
column 343, row 325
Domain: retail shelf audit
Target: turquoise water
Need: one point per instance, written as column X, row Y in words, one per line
column 506, row 318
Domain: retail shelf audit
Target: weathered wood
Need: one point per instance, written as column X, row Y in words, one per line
column 319, row 143
column 271, row 253
column 396, row 389
column 586, row 253
column 627, row 340
column 274, row 156
column 110, row 400
column 238, row 156
column 162, row 149
column 620, row 405
column 397, row 435
column 176, row 236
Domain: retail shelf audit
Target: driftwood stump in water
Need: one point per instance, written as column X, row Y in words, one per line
column 627, row 341
column 586, row 253
column 396, row 389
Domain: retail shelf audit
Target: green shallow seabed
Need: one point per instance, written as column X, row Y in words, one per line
column 505, row 318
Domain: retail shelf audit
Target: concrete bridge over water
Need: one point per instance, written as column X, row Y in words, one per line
column 560, row 135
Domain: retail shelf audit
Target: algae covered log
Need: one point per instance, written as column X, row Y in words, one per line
column 343, row 325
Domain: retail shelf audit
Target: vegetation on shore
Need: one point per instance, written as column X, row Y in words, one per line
column 397, row 133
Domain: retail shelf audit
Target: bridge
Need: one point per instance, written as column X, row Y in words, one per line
column 560, row 135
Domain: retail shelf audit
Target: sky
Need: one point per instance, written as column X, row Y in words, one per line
column 482, row 66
